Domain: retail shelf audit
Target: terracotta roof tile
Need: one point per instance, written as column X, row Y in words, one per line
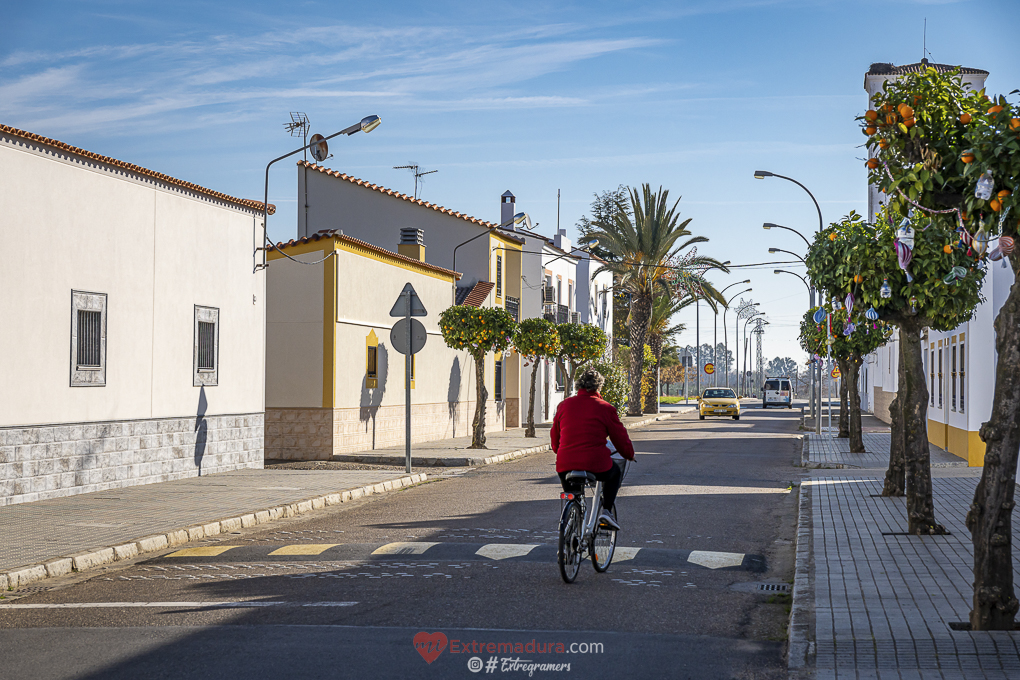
column 405, row 197
column 340, row 236
column 137, row 169
column 478, row 294
column 884, row 69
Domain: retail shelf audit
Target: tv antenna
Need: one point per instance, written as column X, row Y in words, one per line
column 418, row 174
column 298, row 127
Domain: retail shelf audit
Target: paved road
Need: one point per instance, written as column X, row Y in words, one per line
column 706, row 515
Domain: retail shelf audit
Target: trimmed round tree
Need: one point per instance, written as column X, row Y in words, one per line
column 940, row 292
column 536, row 339
column 478, row 330
column 580, row 344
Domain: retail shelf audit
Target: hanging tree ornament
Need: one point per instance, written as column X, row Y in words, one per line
column 913, row 305
column 886, row 291
column 871, row 314
column 980, row 242
column 849, row 328
column 985, row 186
column 954, row 275
column 820, row 315
column 849, row 304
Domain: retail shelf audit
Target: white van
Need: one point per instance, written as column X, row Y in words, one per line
column 778, row 392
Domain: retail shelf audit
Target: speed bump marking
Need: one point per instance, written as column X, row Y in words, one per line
column 306, row 549
column 205, row 551
column 403, row 548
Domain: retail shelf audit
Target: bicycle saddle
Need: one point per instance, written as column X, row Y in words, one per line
column 575, row 475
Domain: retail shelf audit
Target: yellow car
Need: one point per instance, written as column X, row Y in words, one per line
column 718, row 401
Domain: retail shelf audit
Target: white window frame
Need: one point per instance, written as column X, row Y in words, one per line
column 88, row 376
column 206, row 377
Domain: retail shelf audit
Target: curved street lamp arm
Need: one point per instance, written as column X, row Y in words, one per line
column 788, row 252
column 802, row 279
column 790, row 179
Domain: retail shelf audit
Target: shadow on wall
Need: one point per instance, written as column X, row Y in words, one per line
column 371, row 397
column 453, row 395
column 201, row 429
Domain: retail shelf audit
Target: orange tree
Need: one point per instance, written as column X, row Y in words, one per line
column 580, row 344
column 850, row 344
column 536, row 339
column 479, row 330
column 851, row 256
column 959, row 151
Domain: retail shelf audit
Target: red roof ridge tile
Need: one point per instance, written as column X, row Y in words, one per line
column 63, row 146
column 478, row 293
column 339, row 235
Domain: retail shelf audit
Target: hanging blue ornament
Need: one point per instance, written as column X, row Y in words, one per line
column 871, row 314
column 886, row 291
column 849, row 303
column 819, row 315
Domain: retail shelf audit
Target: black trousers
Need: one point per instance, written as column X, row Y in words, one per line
column 610, row 479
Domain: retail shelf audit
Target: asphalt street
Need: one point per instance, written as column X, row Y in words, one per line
column 457, row 578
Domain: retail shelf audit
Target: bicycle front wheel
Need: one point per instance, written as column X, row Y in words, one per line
column 569, row 553
column 604, row 546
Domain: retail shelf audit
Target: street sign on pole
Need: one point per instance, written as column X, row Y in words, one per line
column 408, row 337
column 710, row 368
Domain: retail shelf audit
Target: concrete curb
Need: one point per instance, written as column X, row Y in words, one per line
column 90, row 559
column 801, row 646
column 467, row 461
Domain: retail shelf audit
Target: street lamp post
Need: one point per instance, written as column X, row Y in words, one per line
column 726, row 350
column 744, row 371
column 367, row 124
column 762, row 174
column 741, row 314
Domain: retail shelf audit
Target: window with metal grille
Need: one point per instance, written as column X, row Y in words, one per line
column 952, row 377
column 373, row 362
column 90, row 336
column 498, row 391
column 940, row 377
column 206, row 346
column 513, row 307
column 88, row 339
column 499, row 276
column 207, row 343
column 931, row 368
column 963, row 376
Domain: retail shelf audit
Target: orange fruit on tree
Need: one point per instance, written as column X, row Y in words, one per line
column 995, row 205
column 832, row 237
column 890, row 119
column 995, row 109
column 947, row 249
column 872, row 163
column 967, row 157
column 883, row 143
column 906, row 111
column 1004, row 193
column 965, row 118
column 963, row 216
column 909, row 122
column 1014, row 123
column 871, row 115
column 871, row 129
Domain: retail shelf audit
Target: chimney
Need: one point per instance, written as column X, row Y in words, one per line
column 412, row 243
column 561, row 240
column 507, row 210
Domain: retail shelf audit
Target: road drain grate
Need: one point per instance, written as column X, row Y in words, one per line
column 773, row 588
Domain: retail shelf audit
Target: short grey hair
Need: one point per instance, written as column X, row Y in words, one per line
column 590, row 381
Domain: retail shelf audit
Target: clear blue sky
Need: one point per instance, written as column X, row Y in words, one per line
column 527, row 96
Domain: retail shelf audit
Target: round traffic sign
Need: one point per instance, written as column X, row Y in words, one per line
column 398, row 336
column 710, row 368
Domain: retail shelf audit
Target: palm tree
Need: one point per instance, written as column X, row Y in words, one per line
column 643, row 239
column 664, row 308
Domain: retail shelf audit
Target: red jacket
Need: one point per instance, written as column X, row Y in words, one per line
column 579, row 432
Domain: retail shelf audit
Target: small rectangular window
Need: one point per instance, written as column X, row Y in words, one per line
column 963, row 376
column 498, row 391
column 372, row 370
column 931, row 367
column 207, row 346
column 940, row 377
column 952, row 377
column 88, row 339
column 499, row 276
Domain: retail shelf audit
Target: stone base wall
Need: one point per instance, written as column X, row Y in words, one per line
column 62, row 460
column 880, row 404
column 318, row 434
column 513, row 413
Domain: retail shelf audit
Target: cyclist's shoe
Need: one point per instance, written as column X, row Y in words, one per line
column 608, row 521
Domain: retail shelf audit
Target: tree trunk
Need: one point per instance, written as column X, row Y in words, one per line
column 530, row 431
column 853, row 365
column 990, row 516
column 651, row 397
column 640, row 314
column 895, row 476
column 844, row 400
column 481, row 394
column 568, row 377
column 914, row 392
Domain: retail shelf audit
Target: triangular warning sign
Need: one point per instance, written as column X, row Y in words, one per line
column 400, row 306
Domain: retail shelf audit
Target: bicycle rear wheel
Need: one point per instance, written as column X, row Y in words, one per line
column 569, row 553
column 604, row 546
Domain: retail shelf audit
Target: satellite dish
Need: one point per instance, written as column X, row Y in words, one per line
column 319, row 148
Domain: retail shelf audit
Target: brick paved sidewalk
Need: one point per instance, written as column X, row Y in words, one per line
column 826, row 451
column 883, row 601
column 502, row 446
column 181, row 510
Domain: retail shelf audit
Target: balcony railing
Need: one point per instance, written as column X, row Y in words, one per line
column 513, row 305
column 562, row 314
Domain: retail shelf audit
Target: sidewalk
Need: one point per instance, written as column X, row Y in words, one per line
column 872, row 602
column 501, row 446
column 56, row 536
column 827, row 451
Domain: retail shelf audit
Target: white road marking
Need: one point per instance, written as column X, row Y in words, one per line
column 406, row 548
column 623, row 554
column 502, row 551
column 696, row 490
column 203, row 605
column 715, row 560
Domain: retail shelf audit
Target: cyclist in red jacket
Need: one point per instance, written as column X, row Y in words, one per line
column 579, row 431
